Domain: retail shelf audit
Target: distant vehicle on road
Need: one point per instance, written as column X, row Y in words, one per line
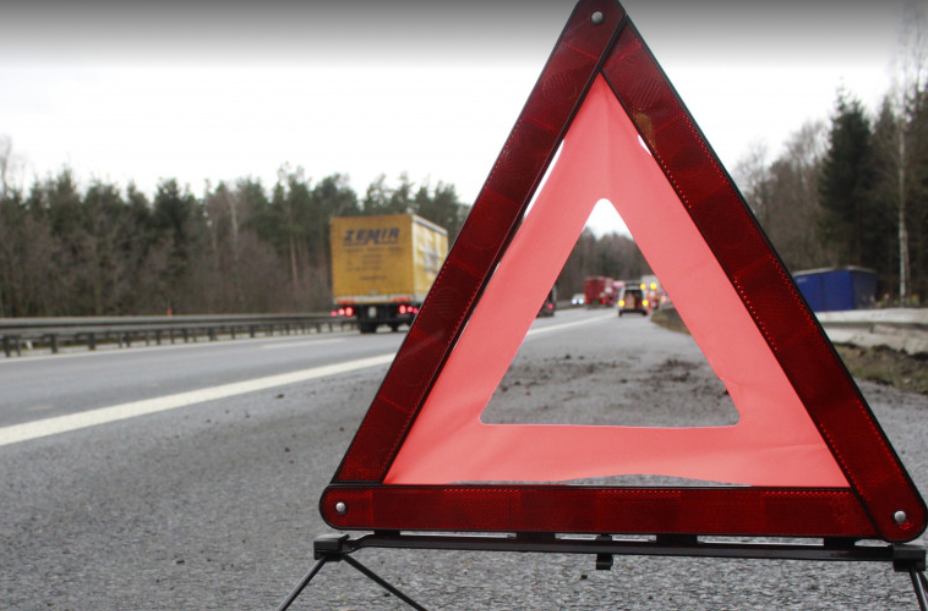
column 383, row 266
column 549, row 307
column 653, row 291
column 599, row 291
column 578, row 299
column 633, row 299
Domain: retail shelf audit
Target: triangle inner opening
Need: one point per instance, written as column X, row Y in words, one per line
column 608, row 356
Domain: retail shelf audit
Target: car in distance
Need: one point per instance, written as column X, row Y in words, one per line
column 549, row 307
column 633, row 299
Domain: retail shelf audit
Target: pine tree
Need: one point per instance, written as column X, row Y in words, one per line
column 854, row 221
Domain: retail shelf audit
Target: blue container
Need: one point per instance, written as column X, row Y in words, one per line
column 837, row 288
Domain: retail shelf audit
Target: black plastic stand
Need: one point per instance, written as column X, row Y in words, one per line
column 906, row 558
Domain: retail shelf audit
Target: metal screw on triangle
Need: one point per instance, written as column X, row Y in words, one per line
column 900, row 518
column 597, row 18
column 341, row 508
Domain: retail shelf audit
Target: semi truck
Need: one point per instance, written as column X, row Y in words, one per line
column 383, row 267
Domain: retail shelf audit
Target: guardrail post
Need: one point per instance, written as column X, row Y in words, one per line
column 91, row 341
column 8, row 346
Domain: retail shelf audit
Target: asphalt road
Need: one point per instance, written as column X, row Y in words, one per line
column 54, row 385
column 211, row 504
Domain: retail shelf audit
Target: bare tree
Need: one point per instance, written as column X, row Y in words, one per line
column 796, row 198
column 10, row 164
column 907, row 95
column 784, row 195
column 6, row 147
column 752, row 174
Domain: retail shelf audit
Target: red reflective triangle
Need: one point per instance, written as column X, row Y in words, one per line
column 807, row 454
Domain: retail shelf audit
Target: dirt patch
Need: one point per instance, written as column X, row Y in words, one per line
column 880, row 365
column 623, row 391
column 886, row 366
column 669, row 319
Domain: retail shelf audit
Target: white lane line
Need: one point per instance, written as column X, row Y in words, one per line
column 566, row 325
column 300, row 344
column 72, row 422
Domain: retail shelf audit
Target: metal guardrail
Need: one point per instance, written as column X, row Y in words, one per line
column 901, row 329
column 17, row 334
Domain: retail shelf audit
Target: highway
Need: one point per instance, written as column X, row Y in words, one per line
column 187, row 477
column 50, row 386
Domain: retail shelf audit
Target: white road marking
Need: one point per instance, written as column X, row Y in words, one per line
column 566, row 325
column 301, row 343
column 61, row 424
column 72, row 422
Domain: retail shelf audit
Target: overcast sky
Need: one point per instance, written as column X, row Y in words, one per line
column 222, row 90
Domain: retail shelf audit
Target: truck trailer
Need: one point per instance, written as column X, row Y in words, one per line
column 599, row 291
column 837, row 288
column 383, row 267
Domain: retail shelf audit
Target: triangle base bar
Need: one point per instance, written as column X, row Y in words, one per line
column 906, row 558
column 731, row 511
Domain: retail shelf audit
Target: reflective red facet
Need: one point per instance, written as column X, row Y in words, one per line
column 577, row 509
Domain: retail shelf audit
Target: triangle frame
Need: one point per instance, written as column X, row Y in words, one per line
column 599, row 43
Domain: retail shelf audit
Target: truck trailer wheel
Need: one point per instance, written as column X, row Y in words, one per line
column 367, row 327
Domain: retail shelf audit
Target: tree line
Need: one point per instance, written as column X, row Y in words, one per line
column 852, row 192
column 237, row 248
column 613, row 254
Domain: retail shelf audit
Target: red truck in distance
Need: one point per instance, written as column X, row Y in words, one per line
column 599, row 291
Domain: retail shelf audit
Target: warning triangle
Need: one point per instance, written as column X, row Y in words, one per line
column 807, row 457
